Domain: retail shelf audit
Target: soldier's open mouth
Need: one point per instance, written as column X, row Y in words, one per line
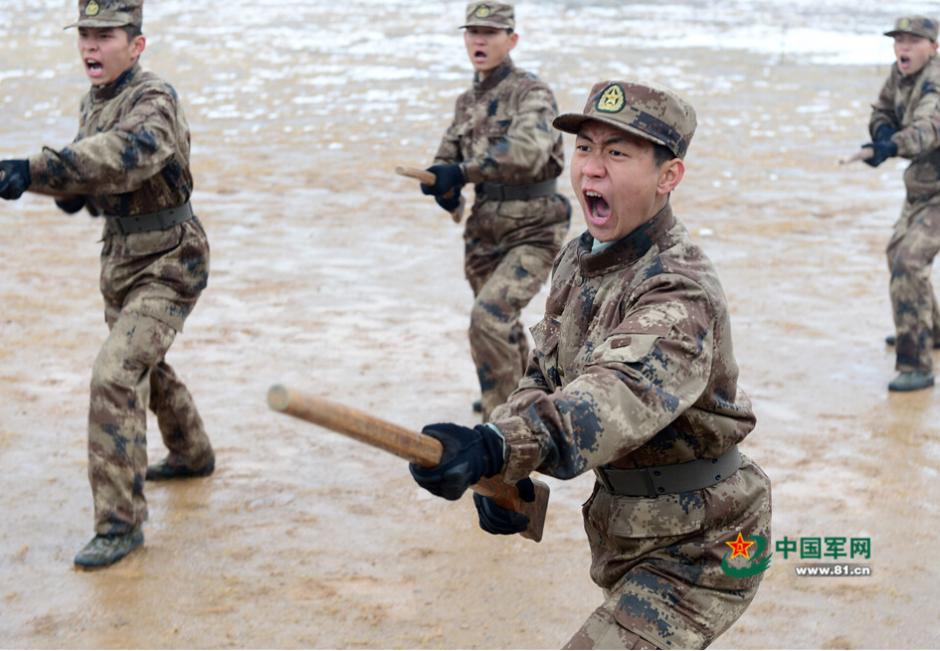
column 479, row 55
column 92, row 65
column 904, row 60
column 598, row 207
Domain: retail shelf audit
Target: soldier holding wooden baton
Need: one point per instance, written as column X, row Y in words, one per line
column 501, row 141
column 633, row 378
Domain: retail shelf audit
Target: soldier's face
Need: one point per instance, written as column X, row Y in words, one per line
column 488, row 47
column 913, row 52
column 617, row 180
column 107, row 52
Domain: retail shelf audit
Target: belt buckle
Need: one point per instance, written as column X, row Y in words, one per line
column 652, row 490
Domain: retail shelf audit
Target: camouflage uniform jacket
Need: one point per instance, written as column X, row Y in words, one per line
column 633, row 364
column 911, row 104
column 131, row 157
column 502, row 130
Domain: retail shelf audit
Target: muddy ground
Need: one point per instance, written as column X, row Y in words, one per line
column 332, row 275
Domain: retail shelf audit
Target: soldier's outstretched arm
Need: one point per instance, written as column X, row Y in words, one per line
column 14, row 178
column 115, row 161
column 446, row 459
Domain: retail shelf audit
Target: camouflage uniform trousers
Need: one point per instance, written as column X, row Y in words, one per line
column 659, row 562
column 150, row 283
column 509, row 251
column 913, row 246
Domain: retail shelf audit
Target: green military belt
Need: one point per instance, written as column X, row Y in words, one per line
column 154, row 221
column 500, row 192
column 675, row 478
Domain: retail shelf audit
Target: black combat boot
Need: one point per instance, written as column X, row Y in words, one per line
column 168, row 469
column 912, row 381
column 104, row 550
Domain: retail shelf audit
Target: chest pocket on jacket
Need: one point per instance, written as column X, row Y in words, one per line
column 545, row 334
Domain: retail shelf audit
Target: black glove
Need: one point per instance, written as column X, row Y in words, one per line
column 451, row 203
column 883, row 150
column 469, row 454
column 497, row 520
column 14, row 178
column 447, row 177
column 884, row 132
column 71, row 205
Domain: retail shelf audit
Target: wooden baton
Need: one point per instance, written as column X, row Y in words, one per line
column 428, row 178
column 862, row 154
column 412, row 446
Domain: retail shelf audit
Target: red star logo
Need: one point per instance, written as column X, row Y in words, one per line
column 740, row 547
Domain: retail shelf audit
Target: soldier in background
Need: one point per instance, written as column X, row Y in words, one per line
column 634, row 378
column 130, row 164
column 905, row 121
column 501, row 141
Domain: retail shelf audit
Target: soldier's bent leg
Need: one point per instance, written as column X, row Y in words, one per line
column 117, row 420
column 911, row 254
column 497, row 339
column 934, row 313
column 180, row 424
column 601, row 631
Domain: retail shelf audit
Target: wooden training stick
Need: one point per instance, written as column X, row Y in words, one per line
column 412, row 446
column 862, row 154
column 428, row 178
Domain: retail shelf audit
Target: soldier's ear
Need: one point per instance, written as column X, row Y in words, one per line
column 670, row 175
column 138, row 45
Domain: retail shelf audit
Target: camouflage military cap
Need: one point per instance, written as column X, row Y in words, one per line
column 653, row 113
column 916, row 25
column 109, row 13
column 490, row 14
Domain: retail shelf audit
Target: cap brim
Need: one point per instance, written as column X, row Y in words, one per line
column 96, row 22
column 484, row 23
column 895, row 32
column 572, row 123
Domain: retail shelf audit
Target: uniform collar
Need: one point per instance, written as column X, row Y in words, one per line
column 498, row 73
column 627, row 249
column 110, row 91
